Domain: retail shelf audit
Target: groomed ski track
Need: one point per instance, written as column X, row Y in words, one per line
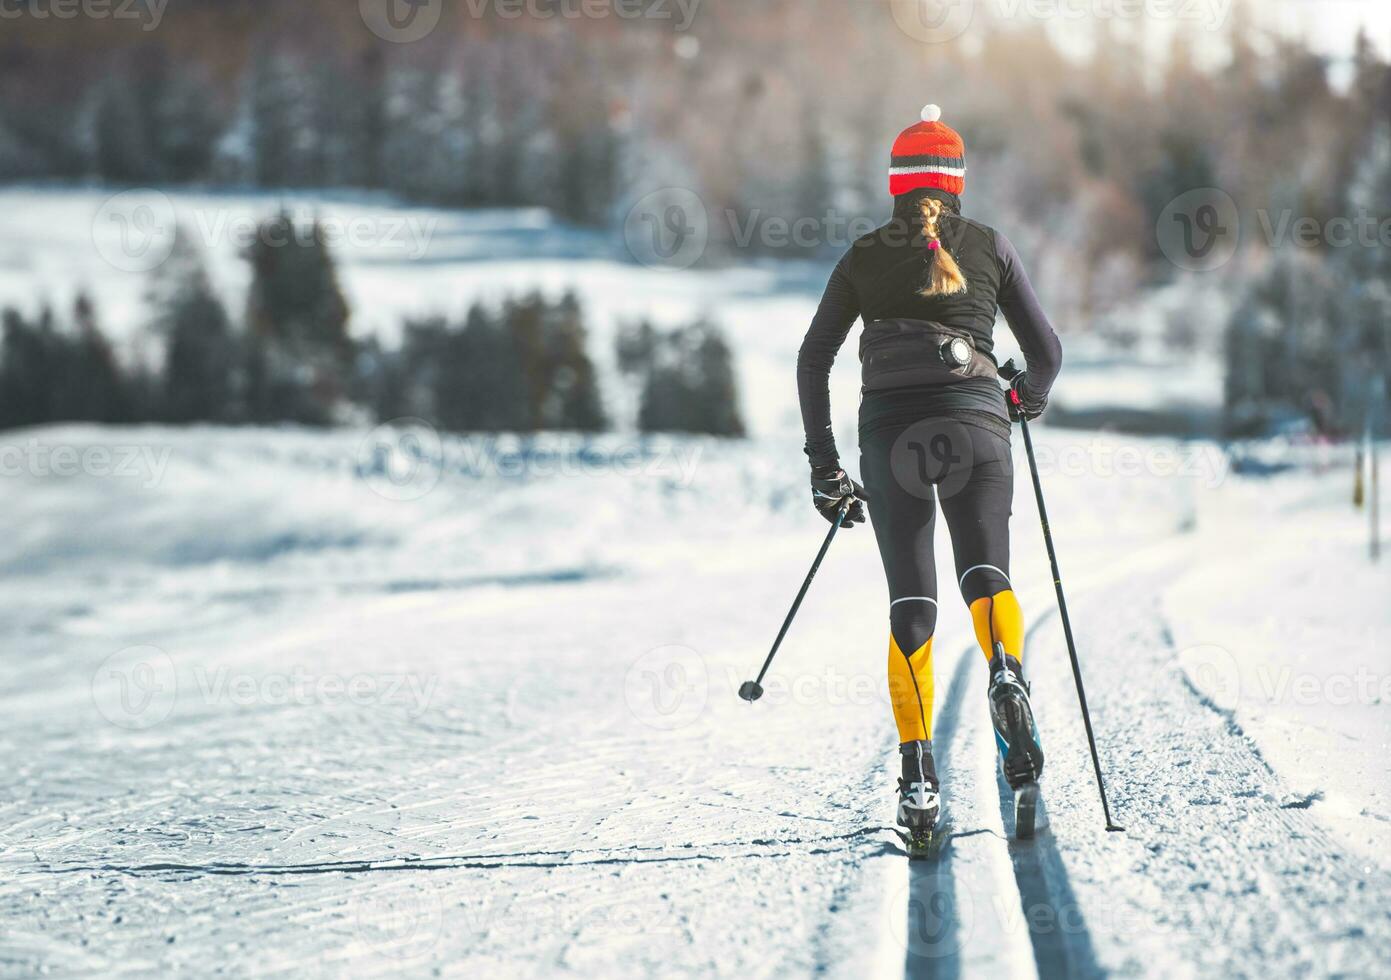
column 1264, row 884
column 569, row 803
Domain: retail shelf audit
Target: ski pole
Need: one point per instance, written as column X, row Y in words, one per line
column 1373, row 466
column 1008, row 371
column 752, row 690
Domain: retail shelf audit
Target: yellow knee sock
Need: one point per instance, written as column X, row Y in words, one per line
column 998, row 619
column 910, row 690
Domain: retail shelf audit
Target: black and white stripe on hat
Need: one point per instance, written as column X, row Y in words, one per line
column 927, row 163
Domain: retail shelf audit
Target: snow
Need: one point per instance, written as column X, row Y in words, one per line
column 1291, row 644
column 317, row 702
column 394, row 702
column 398, row 261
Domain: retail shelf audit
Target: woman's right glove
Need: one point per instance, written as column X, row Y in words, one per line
column 829, row 486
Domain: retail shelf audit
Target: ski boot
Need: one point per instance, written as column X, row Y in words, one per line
column 919, row 803
column 1016, row 735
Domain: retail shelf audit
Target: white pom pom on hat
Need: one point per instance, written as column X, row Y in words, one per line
column 931, row 113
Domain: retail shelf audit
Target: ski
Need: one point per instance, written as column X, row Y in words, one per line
column 1016, row 736
column 1026, row 798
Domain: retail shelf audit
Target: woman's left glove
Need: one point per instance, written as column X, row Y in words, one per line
column 1021, row 405
column 830, row 485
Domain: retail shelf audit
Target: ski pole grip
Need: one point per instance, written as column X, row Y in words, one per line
column 1009, row 372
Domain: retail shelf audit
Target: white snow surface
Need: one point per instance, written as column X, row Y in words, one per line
column 397, row 261
column 271, row 707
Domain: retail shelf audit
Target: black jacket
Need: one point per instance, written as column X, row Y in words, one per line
column 880, row 277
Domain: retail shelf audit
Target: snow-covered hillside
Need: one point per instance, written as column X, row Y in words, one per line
column 397, row 261
column 327, row 703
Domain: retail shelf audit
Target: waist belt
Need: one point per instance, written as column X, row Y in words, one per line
column 900, row 353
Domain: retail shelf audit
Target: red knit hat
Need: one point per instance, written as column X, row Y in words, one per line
column 928, row 154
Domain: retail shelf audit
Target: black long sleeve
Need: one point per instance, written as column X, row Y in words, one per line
column 1043, row 353
column 834, row 317
column 884, row 280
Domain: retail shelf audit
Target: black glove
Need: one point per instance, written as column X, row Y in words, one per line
column 829, row 486
column 1022, row 405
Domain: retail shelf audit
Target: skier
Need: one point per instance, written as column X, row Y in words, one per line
column 934, row 428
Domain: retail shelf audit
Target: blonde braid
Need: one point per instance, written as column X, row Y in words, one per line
column 945, row 278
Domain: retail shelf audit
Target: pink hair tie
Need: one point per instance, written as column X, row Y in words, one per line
column 933, row 245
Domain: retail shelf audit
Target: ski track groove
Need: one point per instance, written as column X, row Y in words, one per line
column 1249, row 880
column 932, row 884
column 825, row 957
column 1060, row 949
column 520, row 859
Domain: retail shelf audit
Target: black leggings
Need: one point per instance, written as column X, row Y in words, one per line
column 907, row 469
